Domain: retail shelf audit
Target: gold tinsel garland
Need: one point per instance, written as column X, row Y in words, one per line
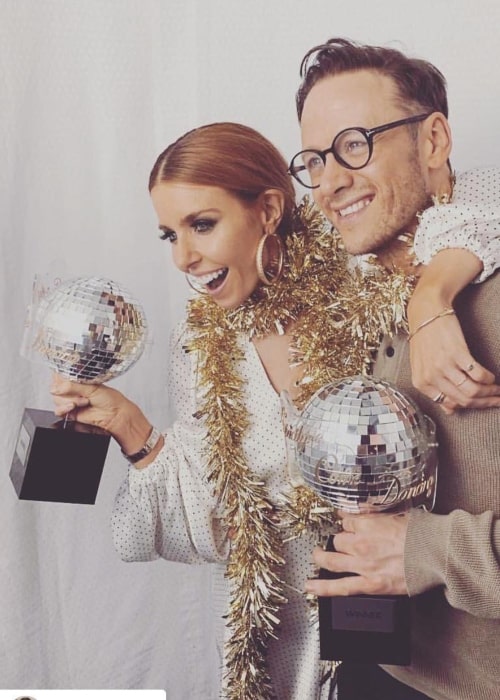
column 338, row 316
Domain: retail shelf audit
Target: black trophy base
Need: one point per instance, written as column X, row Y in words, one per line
column 58, row 462
column 364, row 628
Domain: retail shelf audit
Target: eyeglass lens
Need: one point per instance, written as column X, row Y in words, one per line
column 351, row 148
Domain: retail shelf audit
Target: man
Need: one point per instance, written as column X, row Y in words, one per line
column 376, row 145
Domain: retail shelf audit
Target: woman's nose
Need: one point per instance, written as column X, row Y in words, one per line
column 184, row 253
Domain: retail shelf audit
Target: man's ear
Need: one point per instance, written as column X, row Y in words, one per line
column 273, row 203
column 437, row 140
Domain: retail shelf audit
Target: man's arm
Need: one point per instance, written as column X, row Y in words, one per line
column 414, row 552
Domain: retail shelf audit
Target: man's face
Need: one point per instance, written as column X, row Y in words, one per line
column 371, row 206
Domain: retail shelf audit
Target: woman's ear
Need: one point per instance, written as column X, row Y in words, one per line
column 272, row 203
column 437, row 140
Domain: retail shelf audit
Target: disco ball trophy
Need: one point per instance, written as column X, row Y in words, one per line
column 364, row 447
column 88, row 330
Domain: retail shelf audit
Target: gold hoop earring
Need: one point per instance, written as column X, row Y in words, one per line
column 264, row 276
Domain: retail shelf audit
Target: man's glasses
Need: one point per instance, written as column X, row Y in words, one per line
column 352, row 148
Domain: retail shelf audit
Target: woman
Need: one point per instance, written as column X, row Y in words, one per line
column 271, row 317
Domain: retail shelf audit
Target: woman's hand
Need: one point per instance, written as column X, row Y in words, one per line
column 94, row 404
column 102, row 406
column 442, row 366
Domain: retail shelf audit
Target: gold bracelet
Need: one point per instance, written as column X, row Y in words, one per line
column 448, row 311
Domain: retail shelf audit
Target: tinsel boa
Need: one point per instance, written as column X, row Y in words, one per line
column 338, row 316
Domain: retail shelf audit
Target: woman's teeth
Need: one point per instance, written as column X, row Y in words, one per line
column 210, row 279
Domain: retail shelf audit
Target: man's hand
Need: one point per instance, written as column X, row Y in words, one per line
column 371, row 546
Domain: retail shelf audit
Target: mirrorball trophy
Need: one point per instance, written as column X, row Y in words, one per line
column 88, row 330
column 364, row 447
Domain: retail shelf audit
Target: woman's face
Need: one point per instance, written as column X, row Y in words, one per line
column 214, row 238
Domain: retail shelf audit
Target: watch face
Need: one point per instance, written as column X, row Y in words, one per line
column 150, row 443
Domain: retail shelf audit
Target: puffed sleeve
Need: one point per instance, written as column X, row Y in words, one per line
column 168, row 509
column 470, row 221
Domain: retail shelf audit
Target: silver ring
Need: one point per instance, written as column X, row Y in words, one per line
column 439, row 398
column 470, row 367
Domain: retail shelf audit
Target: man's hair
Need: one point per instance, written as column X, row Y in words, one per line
column 420, row 85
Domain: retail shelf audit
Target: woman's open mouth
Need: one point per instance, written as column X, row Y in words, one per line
column 209, row 282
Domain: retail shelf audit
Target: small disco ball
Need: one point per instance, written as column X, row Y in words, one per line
column 365, row 447
column 90, row 330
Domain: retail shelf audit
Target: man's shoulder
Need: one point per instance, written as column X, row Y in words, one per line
column 478, row 310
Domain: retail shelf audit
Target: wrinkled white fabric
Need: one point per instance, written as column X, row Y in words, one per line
column 168, row 510
column 87, row 93
column 471, row 220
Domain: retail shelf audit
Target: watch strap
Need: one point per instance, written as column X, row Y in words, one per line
column 151, row 442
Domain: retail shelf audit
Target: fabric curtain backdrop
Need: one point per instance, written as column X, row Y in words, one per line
column 84, row 113
column 91, row 91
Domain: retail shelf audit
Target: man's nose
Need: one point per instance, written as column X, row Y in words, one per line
column 334, row 177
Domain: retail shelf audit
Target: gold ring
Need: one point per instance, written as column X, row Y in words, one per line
column 439, row 398
column 462, row 381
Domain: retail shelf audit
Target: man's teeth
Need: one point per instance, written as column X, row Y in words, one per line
column 206, row 279
column 354, row 207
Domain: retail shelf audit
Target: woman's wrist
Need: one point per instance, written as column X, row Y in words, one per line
column 146, row 449
column 428, row 300
column 432, row 295
column 441, row 281
column 130, row 428
column 151, row 451
column 136, row 436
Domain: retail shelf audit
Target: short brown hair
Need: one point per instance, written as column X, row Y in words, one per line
column 231, row 156
column 420, row 84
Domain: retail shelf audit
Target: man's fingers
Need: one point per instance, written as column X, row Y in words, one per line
column 332, row 561
column 347, row 585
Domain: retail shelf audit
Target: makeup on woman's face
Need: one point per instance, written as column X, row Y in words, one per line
column 214, row 238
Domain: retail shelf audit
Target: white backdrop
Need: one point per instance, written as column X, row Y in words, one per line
column 91, row 91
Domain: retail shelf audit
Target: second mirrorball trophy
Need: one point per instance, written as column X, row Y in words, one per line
column 88, row 330
column 364, row 447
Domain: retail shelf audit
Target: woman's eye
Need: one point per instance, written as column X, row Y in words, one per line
column 167, row 235
column 203, row 225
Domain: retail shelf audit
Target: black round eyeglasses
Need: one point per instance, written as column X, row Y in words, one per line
column 352, row 148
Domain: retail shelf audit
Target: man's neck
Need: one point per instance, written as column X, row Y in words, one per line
column 399, row 256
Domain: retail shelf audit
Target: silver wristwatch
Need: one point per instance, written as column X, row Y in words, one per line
column 153, row 438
